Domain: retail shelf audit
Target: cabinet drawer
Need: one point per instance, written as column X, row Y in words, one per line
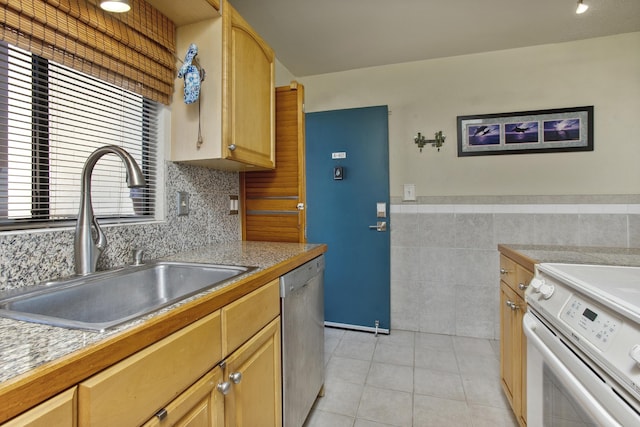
column 508, row 271
column 60, row 410
column 245, row 317
column 133, row 390
column 514, row 275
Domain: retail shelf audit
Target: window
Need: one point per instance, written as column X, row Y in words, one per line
column 51, row 119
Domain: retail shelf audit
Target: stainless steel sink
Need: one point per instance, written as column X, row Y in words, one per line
column 102, row 300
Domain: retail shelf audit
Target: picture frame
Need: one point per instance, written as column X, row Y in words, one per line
column 525, row 132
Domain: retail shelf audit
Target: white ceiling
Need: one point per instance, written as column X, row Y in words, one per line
column 322, row 36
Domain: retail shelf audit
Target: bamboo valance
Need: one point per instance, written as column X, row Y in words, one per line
column 133, row 50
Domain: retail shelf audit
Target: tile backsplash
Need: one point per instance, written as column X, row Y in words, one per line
column 29, row 258
column 445, row 262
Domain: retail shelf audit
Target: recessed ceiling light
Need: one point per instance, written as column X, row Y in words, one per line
column 117, row 6
column 582, row 8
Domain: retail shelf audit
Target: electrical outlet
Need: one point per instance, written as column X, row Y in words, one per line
column 409, row 193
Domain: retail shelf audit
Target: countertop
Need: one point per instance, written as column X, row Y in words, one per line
column 39, row 361
column 529, row 255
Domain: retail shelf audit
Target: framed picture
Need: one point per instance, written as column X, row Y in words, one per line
column 541, row 131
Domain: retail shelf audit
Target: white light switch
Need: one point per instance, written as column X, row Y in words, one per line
column 409, row 192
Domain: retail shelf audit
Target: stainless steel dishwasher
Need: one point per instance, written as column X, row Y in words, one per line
column 302, row 312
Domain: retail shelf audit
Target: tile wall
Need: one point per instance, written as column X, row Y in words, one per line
column 28, row 258
column 444, row 258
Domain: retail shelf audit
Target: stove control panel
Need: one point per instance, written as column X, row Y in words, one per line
column 593, row 323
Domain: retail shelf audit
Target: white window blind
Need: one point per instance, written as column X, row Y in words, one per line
column 51, row 119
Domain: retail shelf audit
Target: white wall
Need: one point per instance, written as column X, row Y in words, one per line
column 427, row 96
column 444, row 259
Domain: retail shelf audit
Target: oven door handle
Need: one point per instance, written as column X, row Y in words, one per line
column 578, row 391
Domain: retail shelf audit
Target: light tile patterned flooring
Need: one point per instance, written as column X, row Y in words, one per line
column 410, row 379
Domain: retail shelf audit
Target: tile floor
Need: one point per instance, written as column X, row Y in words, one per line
column 410, row 379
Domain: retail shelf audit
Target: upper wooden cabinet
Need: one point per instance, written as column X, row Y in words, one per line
column 232, row 126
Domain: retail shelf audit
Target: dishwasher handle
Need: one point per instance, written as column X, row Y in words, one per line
column 302, row 276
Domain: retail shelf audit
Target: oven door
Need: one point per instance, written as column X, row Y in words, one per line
column 562, row 389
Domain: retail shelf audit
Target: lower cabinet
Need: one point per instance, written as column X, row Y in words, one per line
column 513, row 345
column 222, row 370
column 133, row 390
column 254, row 370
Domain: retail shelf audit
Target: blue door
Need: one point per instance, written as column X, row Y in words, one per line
column 347, row 162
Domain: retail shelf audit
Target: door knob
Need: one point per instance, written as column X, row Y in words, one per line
column 380, row 226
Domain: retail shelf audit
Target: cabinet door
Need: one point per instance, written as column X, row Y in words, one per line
column 254, row 370
column 513, row 350
column 509, row 341
column 201, row 405
column 248, row 112
column 273, row 201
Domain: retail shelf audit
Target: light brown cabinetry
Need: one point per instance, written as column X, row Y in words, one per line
column 59, row 411
column 232, row 126
column 201, row 405
column 254, row 369
column 132, row 391
column 273, row 201
column 514, row 279
column 223, row 370
column 244, row 317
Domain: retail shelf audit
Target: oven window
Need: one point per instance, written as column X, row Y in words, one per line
column 560, row 409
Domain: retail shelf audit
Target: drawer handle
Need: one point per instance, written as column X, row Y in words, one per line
column 503, row 271
column 161, row 414
column 232, row 147
column 236, row 377
column 522, row 286
column 512, row 305
column 224, row 388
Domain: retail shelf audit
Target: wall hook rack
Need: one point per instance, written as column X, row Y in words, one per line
column 436, row 142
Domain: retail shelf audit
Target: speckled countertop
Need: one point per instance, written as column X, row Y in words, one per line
column 532, row 254
column 27, row 346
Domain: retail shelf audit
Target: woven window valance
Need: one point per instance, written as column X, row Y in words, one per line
column 134, row 50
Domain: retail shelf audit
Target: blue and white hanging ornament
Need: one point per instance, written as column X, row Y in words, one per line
column 191, row 75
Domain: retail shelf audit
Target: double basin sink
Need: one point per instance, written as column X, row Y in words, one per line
column 100, row 301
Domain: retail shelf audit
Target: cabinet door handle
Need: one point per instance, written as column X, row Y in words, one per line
column 235, row 377
column 232, row 147
column 522, row 286
column 224, row 387
column 503, row 271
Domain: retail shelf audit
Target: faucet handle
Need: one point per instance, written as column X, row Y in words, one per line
column 137, row 255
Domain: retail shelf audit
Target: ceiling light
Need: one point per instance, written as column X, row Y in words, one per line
column 582, row 8
column 117, row 6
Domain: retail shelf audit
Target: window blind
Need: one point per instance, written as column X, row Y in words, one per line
column 51, row 119
column 133, row 50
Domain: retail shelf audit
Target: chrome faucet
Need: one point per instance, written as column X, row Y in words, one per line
column 86, row 249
